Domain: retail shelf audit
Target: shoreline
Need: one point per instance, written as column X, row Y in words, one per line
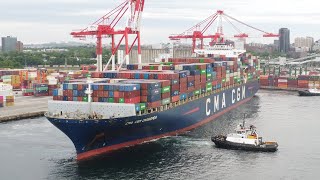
column 17, row 117
column 281, row 89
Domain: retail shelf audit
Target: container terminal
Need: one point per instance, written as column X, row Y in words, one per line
column 117, row 107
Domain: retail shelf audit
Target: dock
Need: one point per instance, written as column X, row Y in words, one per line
column 24, row 107
column 282, row 89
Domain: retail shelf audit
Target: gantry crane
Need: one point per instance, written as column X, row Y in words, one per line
column 105, row 27
column 197, row 32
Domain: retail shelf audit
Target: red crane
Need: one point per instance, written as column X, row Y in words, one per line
column 197, row 32
column 105, row 27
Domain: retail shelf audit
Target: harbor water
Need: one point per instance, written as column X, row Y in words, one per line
column 35, row 149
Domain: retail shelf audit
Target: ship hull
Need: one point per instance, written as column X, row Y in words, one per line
column 94, row 137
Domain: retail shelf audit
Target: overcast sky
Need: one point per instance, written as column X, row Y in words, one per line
column 39, row 21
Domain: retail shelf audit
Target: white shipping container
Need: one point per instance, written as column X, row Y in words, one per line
column 116, row 80
column 282, row 80
column 32, row 74
column 54, row 74
column 230, row 63
column 251, row 62
column 52, row 81
column 178, row 67
column 60, row 92
column 313, row 85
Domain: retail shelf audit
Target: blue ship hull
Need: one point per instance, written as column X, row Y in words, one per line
column 94, row 137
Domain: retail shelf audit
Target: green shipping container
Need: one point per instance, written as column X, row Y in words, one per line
column 209, row 89
column 111, row 100
column 223, row 80
column 142, row 106
column 203, row 71
column 165, row 89
column 209, row 85
column 121, row 100
column 42, row 89
column 166, row 101
column 209, row 75
column 197, row 92
column 29, row 90
column 85, row 99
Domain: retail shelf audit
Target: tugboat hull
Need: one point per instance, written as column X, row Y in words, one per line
column 221, row 142
column 307, row 93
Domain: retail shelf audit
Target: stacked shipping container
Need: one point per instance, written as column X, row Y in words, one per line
column 1, row 101
column 155, row 85
column 9, row 101
column 302, row 81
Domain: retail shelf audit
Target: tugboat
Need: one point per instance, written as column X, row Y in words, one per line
column 244, row 138
column 310, row 92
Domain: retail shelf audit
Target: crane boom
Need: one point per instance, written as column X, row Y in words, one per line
column 100, row 29
column 199, row 30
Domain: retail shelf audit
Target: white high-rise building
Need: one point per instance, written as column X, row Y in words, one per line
column 303, row 43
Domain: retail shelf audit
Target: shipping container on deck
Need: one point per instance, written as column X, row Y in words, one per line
column 264, row 81
column 303, row 83
column 292, row 82
column 283, row 82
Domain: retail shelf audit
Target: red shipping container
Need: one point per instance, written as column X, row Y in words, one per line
column 191, row 78
column 100, row 93
column 65, row 92
column 165, row 83
column 131, row 94
column 183, row 80
column 134, row 100
column 116, row 94
column 154, row 104
column 116, row 100
column 190, row 89
column 165, row 95
column 95, row 94
column 80, row 99
column 95, row 99
column 105, row 93
column 175, row 87
column 175, row 98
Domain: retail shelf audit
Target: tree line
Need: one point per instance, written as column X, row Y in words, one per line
column 35, row 57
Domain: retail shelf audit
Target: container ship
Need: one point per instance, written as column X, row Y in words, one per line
column 117, row 109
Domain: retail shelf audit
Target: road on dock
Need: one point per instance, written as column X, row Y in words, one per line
column 25, row 107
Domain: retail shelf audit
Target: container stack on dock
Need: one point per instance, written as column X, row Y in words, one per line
column 282, row 82
column 9, row 101
column 1, row 101
column 40, row 90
